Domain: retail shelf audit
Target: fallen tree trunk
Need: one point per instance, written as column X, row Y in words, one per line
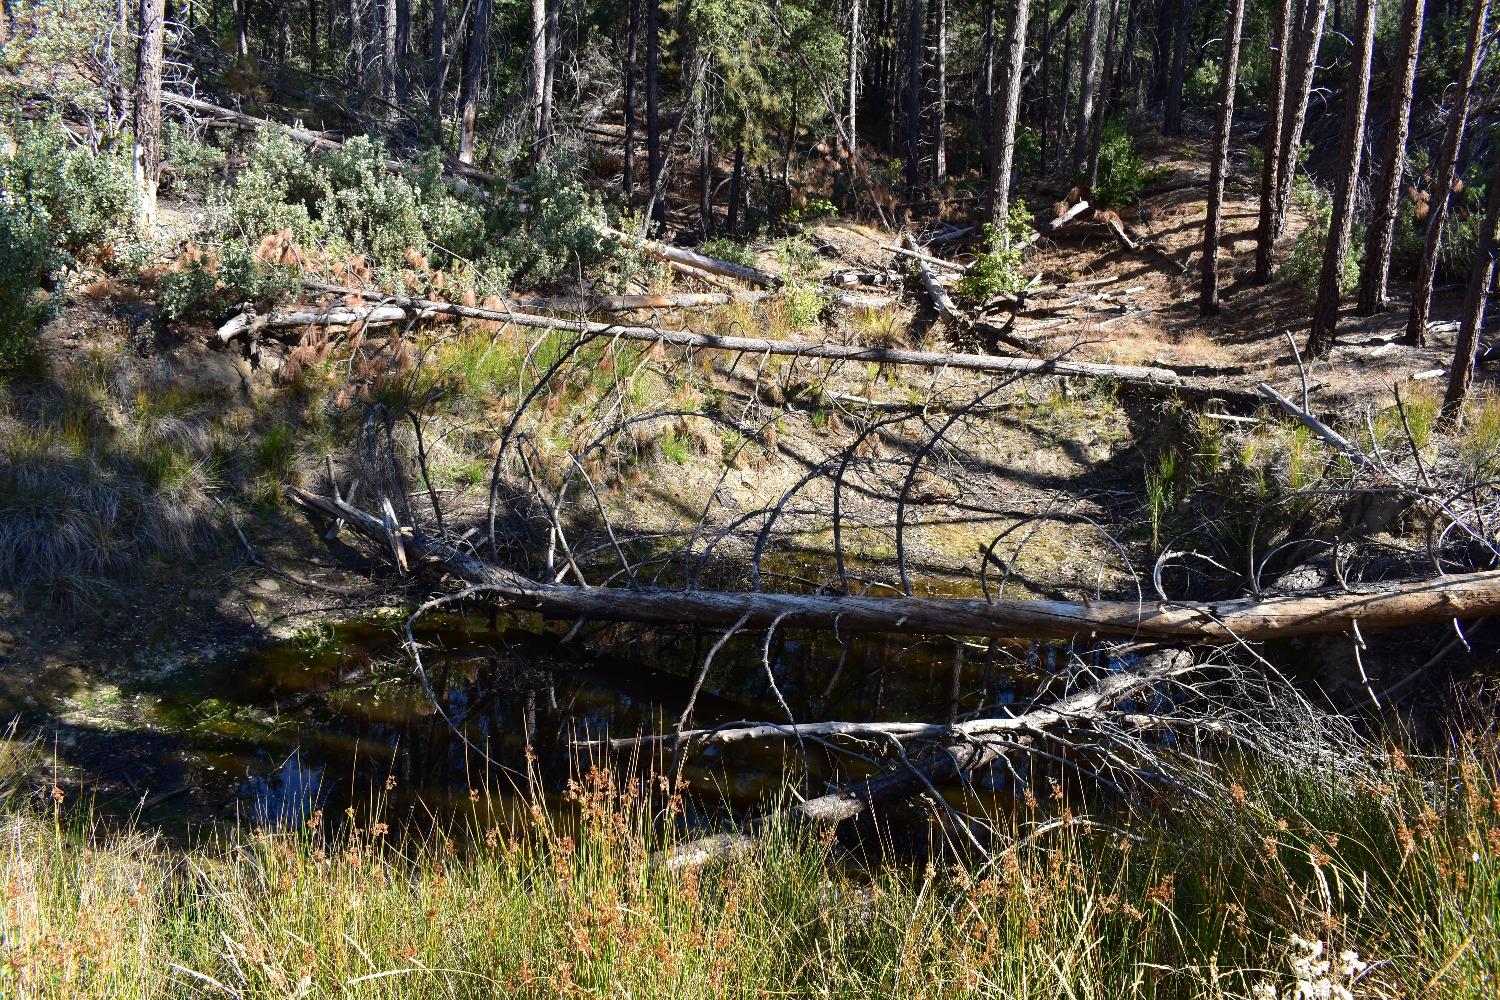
column 682, row 300
column 667, row 252
column 1392, row 605
column 942, row 765
column 747, row 345
column 925, row 258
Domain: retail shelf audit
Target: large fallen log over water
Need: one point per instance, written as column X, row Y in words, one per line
column 1389, row 605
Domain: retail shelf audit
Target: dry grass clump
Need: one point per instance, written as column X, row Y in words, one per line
column 1399, row 864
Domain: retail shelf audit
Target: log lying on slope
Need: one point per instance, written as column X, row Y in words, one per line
column 420, row 308
column 681, row 300
column 667, row 252
column 1408, row 602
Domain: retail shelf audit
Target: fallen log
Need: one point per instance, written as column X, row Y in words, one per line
column 748, row 345
column 936, row 292
column 681, row 300
column 320, row 140
column 912, row 778
column 926, row 258
column 1391, row 605
column 667, row 252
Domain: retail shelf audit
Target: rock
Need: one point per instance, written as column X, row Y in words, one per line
column 196, row 370
column 267, row 584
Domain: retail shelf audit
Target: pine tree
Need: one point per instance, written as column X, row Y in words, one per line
column 1003, row 133
column 1208, row 302
column 1356, row 99
column 147, row 148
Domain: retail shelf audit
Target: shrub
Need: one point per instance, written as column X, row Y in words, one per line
column 550, row 232
column 193, row 162
column 1303, row 265
column 1122, row 172
column 802, row 299
column 997, row 269
column 212, row 285
column 27, row 265
column 81, row 197
column 724, row 248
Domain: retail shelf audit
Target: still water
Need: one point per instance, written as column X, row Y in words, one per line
column 340, row 716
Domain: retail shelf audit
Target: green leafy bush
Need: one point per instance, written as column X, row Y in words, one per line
column 81, row 197
column 724, row 248
column 192, row 162
column 1122, row 172
column 1303, row 264
column 997, row 268
column 349, row 201
column 213, row 286
column 552, row 231
column 27, row 265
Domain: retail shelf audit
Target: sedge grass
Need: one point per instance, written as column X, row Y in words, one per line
column 1402, row 868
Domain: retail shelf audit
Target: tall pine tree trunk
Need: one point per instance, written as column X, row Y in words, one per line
column 439, row 60
column 1172, row 116
column 476, row 60
column 1472, row 325
column 553, row 40
column 1208, row 300
column 403, row 43
column 1356, row 98
column 913, row 98
column 705, row 162
column 1007, row 117
column 653, row 115
column 737, row 181
column 1281, row 29
column 147, row 148
column 940, row 100
column 536, row 81
column 1101, row 105
column 987, row 74
column 1380, row 236
column 1458, row 117
column 852, row 99
column 632, row 31
column 1294, row 110
column 388, row 48
column 1088, row 84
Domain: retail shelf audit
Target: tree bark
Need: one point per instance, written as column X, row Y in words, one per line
column 632, row 31
column 987, row 73
column 439, row 67
column 1265, row 233
column 940, row 99
column 536, row 81
column 1294, row 110
column 705, row 161
column 1461, row 374
column 1208, row 301
column 1101, row 105
column 549, row 79
column 736, row 181
column 388, row 48
column 1341, row 220
column 147, row 147
column 1389, row 605
column 1380, row 236
column 913, row 98
column 653, row 115
column 403, row 44
column 851, row 103
column 1088, row 84
column 1172, row 115
column 476, row 60
column 1003, row 134
column 1421, row 293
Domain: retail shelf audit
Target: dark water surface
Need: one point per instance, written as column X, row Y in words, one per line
column 340, row 717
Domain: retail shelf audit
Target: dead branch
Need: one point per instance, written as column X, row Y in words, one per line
column 1388, row 605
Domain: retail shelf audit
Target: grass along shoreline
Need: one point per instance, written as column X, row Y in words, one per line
column 1381, row 884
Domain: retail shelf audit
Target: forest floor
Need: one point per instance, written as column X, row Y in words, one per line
column 1070, row 459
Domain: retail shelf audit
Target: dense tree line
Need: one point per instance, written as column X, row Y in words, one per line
column 722, row 110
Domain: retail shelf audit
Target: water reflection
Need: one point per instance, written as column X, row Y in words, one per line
column 339, row 719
